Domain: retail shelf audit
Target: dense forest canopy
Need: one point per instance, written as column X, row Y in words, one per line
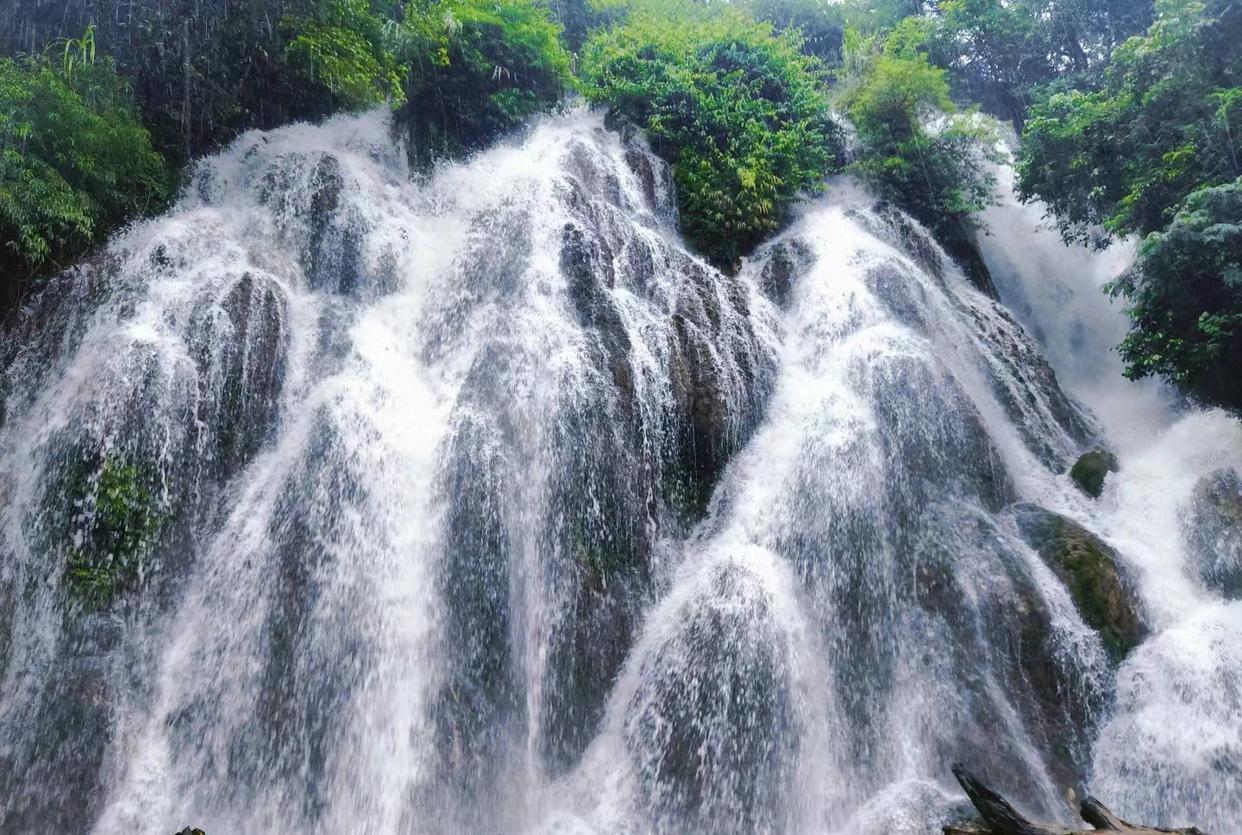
column 1129, row 115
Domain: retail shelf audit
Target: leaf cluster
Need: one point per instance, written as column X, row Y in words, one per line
column 350, row 50
column 1172, row 99
column 1005, row 54
column 476, row 69
column 75, row 160
column 1184, row 298
column 116, row 519
column 912, row 147
column 738, row 110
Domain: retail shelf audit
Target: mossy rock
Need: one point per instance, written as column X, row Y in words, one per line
column 1088, row 568
column 113, row 517
column 1090, row 471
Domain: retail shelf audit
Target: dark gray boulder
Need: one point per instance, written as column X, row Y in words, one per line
column 1091, row 469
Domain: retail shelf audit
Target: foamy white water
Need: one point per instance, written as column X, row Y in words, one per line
column 484, row 505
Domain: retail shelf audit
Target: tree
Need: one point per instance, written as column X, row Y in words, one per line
column 1002, row 53
column 1155, row 150
column 913, row 148
column 1172, row 99
column 75, row 162
column 1185, row 298
column 475, row 69
column 738, row 110
column 820, row 23
column 349, row 50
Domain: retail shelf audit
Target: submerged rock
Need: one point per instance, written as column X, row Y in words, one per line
column 1091, row 469
column 1213, row 530
column 1088, row 567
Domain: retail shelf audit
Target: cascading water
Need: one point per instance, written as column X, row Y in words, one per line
column 339, row 502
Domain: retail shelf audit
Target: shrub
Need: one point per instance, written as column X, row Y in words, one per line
column 75, row 162
column 349, row 50
column 476, row 69
column 737, row 110
column 1185, row 298
column 912, row 148
column 116, row 519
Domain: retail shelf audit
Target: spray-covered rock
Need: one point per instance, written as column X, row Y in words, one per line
column 1091, row 469
column 1089, row 569
column 1213, row 530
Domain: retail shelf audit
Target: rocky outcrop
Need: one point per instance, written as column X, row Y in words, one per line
column 1091, row 469
column 1213, row 531
column 1088, row 568
column 960, row 241
column 306, row 193
column 957, row 241
column 240, row 345
column 664, row 382
column 787, row 259
column 711, row 730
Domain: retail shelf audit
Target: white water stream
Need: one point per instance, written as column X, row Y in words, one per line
column 485, row 506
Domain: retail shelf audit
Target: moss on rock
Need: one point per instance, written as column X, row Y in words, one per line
column 115, row 529
column 1090, row 470
column 1088, row 568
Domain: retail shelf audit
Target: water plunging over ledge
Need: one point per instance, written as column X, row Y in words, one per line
column 479, row 503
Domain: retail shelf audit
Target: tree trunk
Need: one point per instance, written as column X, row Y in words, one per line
column 1000, row 818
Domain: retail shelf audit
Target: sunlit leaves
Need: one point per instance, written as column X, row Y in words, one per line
column 477, row 68
column 348, row 49
column 74, row 159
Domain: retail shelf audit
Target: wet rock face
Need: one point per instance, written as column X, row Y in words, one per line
column 474, row 583
column 887, row 222
column 788, row 259
column 306, row 193
column 1090, row 471
column 1088, row 567
column 73, row 724
column 664, row 382
column 1213, row 531
column 240, row 346
column 711, row 729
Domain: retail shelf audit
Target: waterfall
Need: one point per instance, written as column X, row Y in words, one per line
column 341, row 500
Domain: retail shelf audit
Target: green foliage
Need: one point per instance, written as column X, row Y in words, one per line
column 1152, row 148
column 819, row 22
column 876, row 17
column 1002, row 53
column 75, row 162
column 477, row 68
column 348, row 49
column 116, row 527
column 737, row 110
column 1165, row 121
column 1185, row 298
column 912, row 148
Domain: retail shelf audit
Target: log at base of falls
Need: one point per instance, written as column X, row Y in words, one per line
column 1000, row 818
